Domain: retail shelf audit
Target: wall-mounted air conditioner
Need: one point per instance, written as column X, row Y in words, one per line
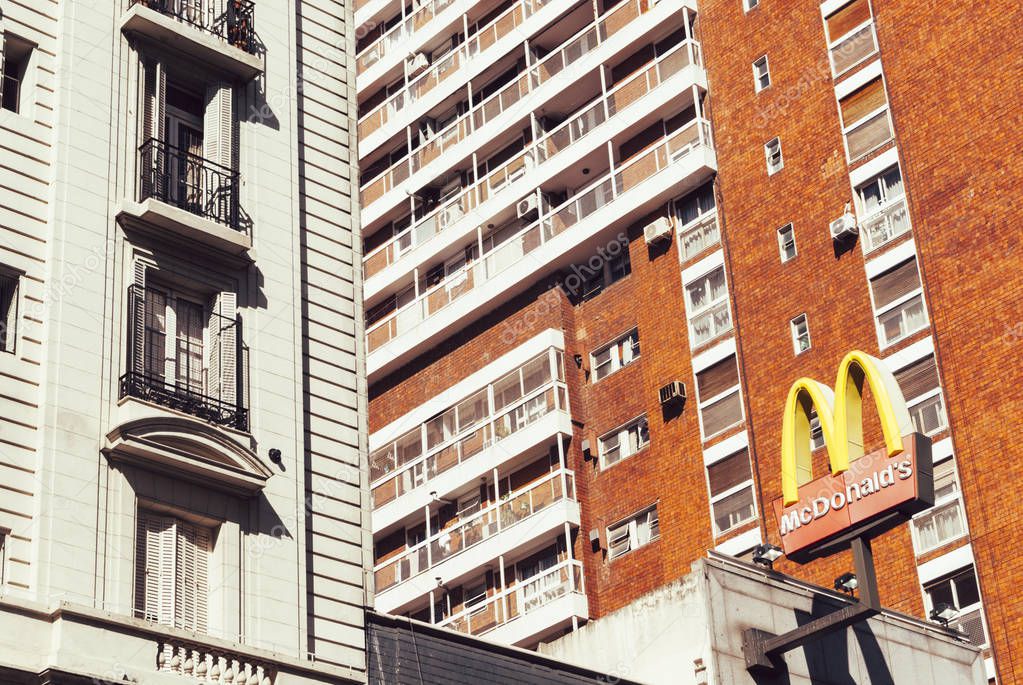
column 657, row 231
column 844, row 226
column 526, row 206
column 673, row 394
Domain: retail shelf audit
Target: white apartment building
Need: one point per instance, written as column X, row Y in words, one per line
column 181, row 410
column 501, row 142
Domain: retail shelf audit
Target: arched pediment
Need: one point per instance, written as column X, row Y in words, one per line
column 190, row 447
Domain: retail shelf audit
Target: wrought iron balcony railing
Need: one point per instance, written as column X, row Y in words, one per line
column 210, row 384
column 187, row 181
column 234, row 21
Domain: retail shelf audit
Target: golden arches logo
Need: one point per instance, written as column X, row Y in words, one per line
column 841, row 417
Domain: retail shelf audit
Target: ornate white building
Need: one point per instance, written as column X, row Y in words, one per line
column 181, row 396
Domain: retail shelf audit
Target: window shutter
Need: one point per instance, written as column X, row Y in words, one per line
column 896, row 283
column 846, row 19
column 863, row 101
column 8, row 312
column 918, row 378
column 717, row 378
column 2, row 38
column 722, row 414
column 222, row 377
column 218, row 124
column 729, row 472
column 154, row 100
column 191, row 566
column 137, row 326
column 154, row 568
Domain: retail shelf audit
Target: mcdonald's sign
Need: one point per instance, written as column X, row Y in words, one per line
column 865, row 494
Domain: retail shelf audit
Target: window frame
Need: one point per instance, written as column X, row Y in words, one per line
column 10, row 312
column 951, row 500
column 750, row 5
column 630, row 527
column 622, row 433
column 771, row 171
column 862, row 121
column 794, row 323
column 779, row 233
column 616, row 358
column 728, row 492
column 918, row 292
column 886, row 205
column 702, row 403
column 759, row 78
column 692, row 313
column 834, row 41
column 976, row 606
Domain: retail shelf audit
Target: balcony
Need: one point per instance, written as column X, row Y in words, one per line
column 547, row 505
column 522, row 614
column 627, row 190
column 221, row 33
column 401, row 175
column 183, row 193
column 210, row 384
column 395, row 40
column 572, row 52
column 884, row 225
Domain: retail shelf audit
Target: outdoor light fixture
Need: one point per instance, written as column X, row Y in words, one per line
column 275, row 455
column 578, row 360
column 846, row 583
column 766, row 555
column 944, row 614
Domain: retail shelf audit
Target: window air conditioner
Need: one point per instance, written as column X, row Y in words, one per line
column 657, row 231
column 844, row 226
column 673, row 394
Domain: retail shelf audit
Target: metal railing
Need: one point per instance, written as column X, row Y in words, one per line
column 189, row 182
column 511, row 252
column 397, row 35
column 520, row 599
column 535, row 75
column 234, row 21
column 218, row 395
column 512, row 508
column 885, row 224
column 553, row 396
column 574, row 128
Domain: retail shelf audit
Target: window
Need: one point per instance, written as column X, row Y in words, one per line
column 816, row 431
column 761, row 74
column 707, row 306
column 731, row 492
column 772, row 150
column 172, row 571
column 882, row 207
column 898, row 302
column 616, row 355
column 697, row 222
column 865, row 120
column 851, row 38
column 623, row 442
column 610, row 271
column 8, row 312
column 960, row 591
column 944, row 522
column 634, row 532
column 720, row 402
column 787, row 243
column 16, row 82
column 800, row 334
column 175, row 328
column 920, row 387
column 747, row 5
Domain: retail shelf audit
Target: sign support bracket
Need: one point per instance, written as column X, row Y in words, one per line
column 763, row 650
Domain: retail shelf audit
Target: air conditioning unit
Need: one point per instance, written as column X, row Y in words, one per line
column 673, row 394
column 417, row 63
column 844, row 226
column 657, row 231
column 526, row 206
column 451, row 214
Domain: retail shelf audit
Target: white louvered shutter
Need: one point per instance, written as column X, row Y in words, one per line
column 218, row 124
column 137, row 325
column 2, row 80
column 154, row 105
column 223, row 348
column 154, row 572
column 192, row 577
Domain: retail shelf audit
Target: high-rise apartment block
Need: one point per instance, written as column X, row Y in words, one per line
column 602, row 239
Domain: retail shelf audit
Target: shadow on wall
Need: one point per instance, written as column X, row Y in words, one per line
column 828, row 659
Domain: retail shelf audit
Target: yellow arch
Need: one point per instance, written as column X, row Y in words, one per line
column 841, row 417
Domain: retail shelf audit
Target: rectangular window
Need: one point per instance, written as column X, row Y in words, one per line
column 8, row 312
column 697, row 222
column 944, row 522
column 761, row 74
column 707, row 307
column 172, row 571
column 15, row 79
column 634, row 532
column 750, row 4
column 174, row 332
column 960, row 591
column 610, row 271
column 816, row 432
column 614, row 356
column 772, row 150
column 882, row 207
column 800, row 334
column 865, row 121
column 920, row 387
column 787, row 243
column 623, row 442
column 898, row 302
column 720, row 402
column 851, row 37
column 731, row 492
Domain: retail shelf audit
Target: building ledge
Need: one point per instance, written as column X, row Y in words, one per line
column 163, row 217
column 157, row 27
